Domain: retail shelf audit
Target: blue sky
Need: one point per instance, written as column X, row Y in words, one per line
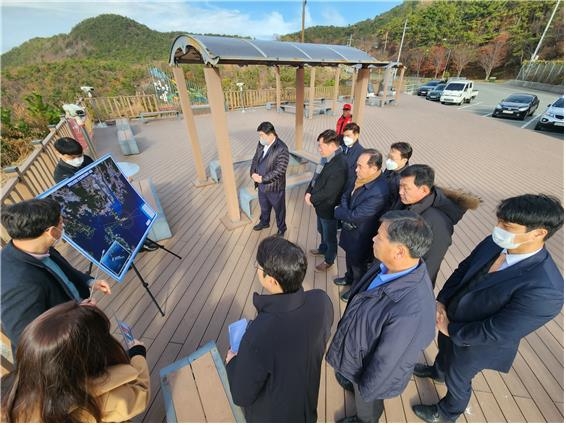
column 23, row 19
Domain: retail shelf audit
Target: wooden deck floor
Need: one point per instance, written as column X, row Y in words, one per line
column 212, row 285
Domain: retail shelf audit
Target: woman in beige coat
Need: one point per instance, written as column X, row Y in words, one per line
column 69, row 368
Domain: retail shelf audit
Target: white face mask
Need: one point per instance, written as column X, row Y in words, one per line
column 348, row 141
column 503, row 238
column 390, row 164
column 263, row 142
column 60, row 237
column 75, row 162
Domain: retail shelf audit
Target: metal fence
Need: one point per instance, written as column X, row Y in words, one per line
column 542, row 72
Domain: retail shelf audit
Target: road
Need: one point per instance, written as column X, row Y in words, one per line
column 492, row 93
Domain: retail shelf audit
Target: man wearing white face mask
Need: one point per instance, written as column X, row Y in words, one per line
column 35, row 276
column 508, row 287
column 352, row 149
column 72, row 158
column 268, row 169
column 397, row 160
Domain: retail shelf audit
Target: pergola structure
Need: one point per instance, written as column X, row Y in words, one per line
column 213, row 51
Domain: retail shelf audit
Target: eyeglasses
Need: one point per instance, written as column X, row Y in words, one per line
column 257, row 266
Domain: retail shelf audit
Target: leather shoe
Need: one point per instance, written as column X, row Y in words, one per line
column 281, row 233
column 429, row 414
column 322, row 267
column 260, row 226
column 344, row 382
column 316, row 252
column 345, row 296
column 423, row 371
column 340, row 281
column 349, row 419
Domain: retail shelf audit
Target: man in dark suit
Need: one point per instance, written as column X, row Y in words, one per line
column 324, row 194
column 363, row 202
column 268, row 169
column 508, row 287
column 352, row 148
column 35, row 277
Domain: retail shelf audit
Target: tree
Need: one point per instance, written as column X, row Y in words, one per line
column 461, row 56
column 415, row 59
column 493, row 54
column 438, row 59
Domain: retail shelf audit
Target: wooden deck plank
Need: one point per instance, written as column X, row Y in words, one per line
column 186, row 399
column 503, row 397
column 212, row 285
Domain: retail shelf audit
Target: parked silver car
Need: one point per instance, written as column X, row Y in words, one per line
column 553, row 117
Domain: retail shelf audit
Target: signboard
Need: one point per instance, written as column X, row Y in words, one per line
column 105, row 219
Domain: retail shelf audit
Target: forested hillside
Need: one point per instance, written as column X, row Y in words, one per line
column 113, row 53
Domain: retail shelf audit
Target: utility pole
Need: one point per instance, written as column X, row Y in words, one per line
column 385, row 45
column 402, row 39
column 303, row 22
column 533, row 57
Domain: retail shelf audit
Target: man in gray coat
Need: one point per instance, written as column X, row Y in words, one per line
column 389, row 319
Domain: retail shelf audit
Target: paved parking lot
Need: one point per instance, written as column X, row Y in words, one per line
column 492, row 93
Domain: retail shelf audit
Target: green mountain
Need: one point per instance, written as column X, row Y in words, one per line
column 112, row 53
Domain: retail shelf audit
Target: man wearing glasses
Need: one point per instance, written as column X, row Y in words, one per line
column 275, row 375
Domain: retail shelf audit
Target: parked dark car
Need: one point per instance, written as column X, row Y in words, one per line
column 553, row 117
column 425, row 88
column 436, row 92
column 516, row 105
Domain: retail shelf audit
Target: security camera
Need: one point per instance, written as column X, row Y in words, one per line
column 88, row 90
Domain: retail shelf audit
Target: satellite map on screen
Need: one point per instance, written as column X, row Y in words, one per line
column 104, row 217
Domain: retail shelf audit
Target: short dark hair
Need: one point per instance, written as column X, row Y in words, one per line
column 375, row 158
column 328, row 136
column 284, row 261
column 267, row 128
column 404, row 149
column 68, row 146
column 352, row 126
column 533, row 211
column 410, row 229
column 29, row 219
column 423, row 174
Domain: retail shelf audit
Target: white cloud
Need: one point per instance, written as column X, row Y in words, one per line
column 333, row 17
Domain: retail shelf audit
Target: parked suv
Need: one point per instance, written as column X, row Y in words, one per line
column 425, row 88
column 553, row 117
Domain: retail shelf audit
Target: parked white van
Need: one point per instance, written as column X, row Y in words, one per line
column 458, row 92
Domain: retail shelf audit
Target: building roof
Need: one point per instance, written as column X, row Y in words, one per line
column 214, row 50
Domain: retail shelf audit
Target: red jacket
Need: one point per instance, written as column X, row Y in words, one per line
column 342, row 121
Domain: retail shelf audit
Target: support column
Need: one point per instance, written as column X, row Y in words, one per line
column 399, row 85
column 336, row 91
column 300, row 106
column 359, row 105
column 386, row 74
column 311, row 93
column 354, row 76
column 191, row 127
column 277, row 89
column 216, row 102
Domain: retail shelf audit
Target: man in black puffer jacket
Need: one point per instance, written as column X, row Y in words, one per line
column 268, row 169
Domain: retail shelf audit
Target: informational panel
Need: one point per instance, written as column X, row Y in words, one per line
column 104, row 217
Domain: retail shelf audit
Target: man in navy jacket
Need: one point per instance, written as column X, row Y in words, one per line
column 275, row 375
column 363, row 202
column 508, row 287
column 389, row 318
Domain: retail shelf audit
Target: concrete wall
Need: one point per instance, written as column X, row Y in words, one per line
column 537, row 86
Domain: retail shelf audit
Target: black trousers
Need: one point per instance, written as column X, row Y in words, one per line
column 275, row 200
column 355, row 268
column 458, row 376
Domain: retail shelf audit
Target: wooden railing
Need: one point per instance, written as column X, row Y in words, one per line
column 35, row 174
column 110, row 108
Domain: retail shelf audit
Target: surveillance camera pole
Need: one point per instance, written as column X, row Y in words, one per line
column 241, row 86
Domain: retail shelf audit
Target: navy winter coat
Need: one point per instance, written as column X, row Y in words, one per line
column 328, row 187
column 383, row 331
column 362, row 211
